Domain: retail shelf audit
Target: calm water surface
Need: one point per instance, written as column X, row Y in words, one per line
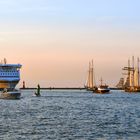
column 71, row 115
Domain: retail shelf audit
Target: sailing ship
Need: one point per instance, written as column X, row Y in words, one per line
column 90, row 82
column 9, row 78
column 132, row 79
column 121, row 84
column 103, row 88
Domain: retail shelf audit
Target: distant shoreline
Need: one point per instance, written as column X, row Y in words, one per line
column 62, row 88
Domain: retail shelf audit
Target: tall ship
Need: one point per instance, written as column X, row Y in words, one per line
column 121, row 84
column 90, row 82
column 9, row 75
column 132, row 83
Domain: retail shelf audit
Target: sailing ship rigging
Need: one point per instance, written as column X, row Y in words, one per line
column 121, row 83
column 132, row 76
column 102, row 88
column 90, row 82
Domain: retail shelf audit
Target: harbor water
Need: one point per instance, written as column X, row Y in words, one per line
column 71, row 115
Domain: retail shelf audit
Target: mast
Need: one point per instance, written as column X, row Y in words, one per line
column 138, row 69
column 101, row 81
column 136, row 74
column 133, row 70
column 129, row 73
column 92, row 74
column 136, row 77
column 88, row 81
column 90, row 78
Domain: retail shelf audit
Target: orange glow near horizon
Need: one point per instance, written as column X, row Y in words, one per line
column 60, row 57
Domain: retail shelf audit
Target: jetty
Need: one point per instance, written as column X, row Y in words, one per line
column 63, row 88
column 55, row 88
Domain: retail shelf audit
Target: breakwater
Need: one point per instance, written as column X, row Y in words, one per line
column 62, row 88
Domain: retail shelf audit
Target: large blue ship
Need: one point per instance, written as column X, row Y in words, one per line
column 9, row 78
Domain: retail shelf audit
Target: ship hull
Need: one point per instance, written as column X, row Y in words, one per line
column 10, row 85
column 102, row 90
column 134, row 89
column 10, row 95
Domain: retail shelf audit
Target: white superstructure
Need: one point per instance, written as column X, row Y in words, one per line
column 9, row 75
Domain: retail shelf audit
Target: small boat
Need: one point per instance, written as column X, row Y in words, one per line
column 102, row 89
column 15, row 94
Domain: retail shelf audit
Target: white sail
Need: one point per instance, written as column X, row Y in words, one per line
column 130, row 80
column 138, row 61
column 136, row 74
column 91, row 75
column 90, row 79
column 136, row 77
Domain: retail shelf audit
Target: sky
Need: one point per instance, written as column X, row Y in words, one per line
column 54, row 40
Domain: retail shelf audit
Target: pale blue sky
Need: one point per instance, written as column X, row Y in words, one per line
column 66, row 34
column 61, row 11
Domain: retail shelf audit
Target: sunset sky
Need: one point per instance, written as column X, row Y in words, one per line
column 54, row 40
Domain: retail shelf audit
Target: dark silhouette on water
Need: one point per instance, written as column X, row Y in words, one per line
column 23, row 85
column 38, row 91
